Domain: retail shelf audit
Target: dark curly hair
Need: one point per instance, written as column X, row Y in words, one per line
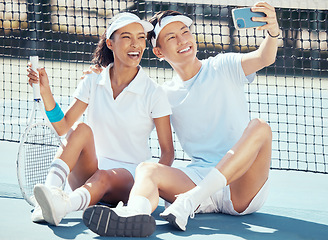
column 102, row 55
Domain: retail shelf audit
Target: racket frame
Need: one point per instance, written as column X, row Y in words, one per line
column 37, row 103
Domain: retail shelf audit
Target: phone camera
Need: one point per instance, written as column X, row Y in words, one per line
column 241, row 23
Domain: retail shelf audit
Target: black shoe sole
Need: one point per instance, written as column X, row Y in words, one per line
column 171, row 219
column 105, row 222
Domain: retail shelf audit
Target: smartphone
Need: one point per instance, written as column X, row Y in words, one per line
column 242, row 18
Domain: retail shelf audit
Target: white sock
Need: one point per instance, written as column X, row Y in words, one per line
column 213, row 182
column 79, row 199
column 140, row 204
column 57, row 173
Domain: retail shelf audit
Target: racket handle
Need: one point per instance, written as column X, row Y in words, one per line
column 36, row 87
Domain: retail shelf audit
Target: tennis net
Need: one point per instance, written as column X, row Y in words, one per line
column 291, row 95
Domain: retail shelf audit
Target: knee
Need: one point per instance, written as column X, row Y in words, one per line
column 261, row 129
column 116, row 177
column 80, row 130
column 103, row 177
column 148, row 169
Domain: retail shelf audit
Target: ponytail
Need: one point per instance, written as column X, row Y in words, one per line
column 102, row 56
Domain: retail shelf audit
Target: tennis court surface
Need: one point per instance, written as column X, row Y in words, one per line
column 296, row 209
column 291, row 95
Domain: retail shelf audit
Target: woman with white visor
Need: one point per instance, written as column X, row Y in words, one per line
column 123, row 105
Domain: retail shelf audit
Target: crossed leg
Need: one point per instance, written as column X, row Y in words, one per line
column 246, row 168
column 79, row 154
column 89, row 184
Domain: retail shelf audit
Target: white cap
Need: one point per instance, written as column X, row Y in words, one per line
column 123, row 19
column 166, row 20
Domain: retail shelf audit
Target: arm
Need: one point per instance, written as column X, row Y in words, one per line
column 265, row 55
column 73, row 113
column 164, row 134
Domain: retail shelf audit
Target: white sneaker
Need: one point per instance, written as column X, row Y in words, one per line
column 118, row 222
column 53, row 202
column 179, row 211
column 37, row 216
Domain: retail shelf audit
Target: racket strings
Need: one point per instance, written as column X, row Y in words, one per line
column 40, row 147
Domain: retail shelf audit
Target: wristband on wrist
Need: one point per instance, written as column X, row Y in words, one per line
column 56, row 114
column 274, row 36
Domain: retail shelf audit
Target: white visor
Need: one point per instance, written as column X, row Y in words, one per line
column 166, row 20
column 123, row 19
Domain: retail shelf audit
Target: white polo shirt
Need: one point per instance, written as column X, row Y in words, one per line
column 209, row 111
column 121, row 127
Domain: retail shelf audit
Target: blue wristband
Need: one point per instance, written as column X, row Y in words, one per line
column 56, row 114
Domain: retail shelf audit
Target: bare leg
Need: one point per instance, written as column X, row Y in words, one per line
column 154, row 180
column 246, row 166
column 110, row 186
column 79, row 154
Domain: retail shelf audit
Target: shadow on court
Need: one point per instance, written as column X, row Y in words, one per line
column 218, row 226
column 70, row 228
column 255, row 226
column 296, row 209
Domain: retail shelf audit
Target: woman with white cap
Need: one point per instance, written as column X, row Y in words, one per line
column 230, row 154
column 124, row 105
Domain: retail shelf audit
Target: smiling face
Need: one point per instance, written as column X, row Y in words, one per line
column 128, row 44
column 176, row 44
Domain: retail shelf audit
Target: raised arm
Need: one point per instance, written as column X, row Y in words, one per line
column 73, row 113
column 265, row 55
column 164, row 134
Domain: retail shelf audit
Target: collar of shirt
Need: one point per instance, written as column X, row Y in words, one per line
column 188, row 83
column 137, row 85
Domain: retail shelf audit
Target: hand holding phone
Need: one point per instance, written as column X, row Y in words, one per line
column 242, row 18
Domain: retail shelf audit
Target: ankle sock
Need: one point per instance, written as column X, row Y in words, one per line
column 140, row 204
column 79, row 200
column 57, row 173
column 213, row 182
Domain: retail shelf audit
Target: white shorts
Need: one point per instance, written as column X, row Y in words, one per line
column 220, row 202
column 106, row 164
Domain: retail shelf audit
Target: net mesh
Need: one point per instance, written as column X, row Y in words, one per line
column 291, row 95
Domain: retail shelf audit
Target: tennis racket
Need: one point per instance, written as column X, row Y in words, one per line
column 37, row 147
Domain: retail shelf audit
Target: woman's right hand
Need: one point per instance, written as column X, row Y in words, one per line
column 38, row 78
